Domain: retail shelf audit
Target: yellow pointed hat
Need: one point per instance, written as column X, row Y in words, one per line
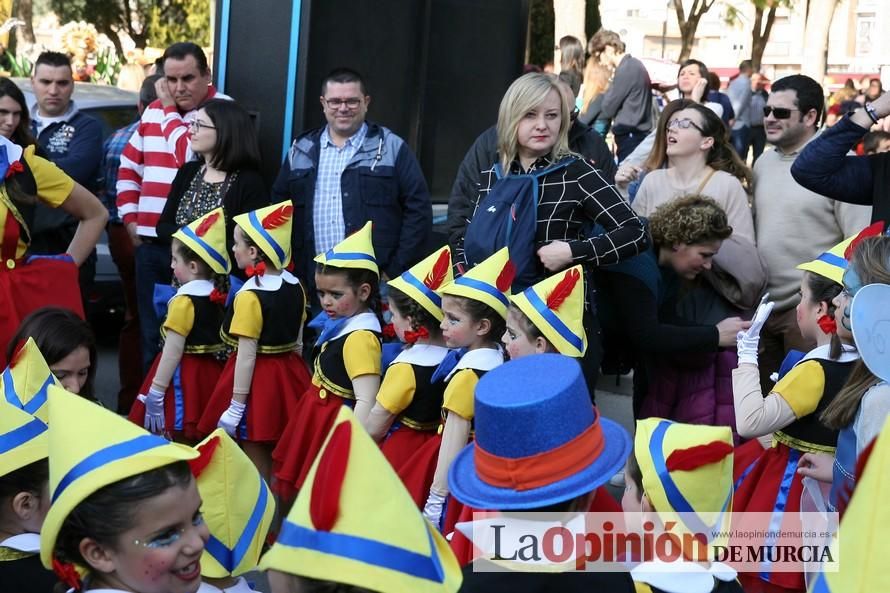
column 489, row 282
column 89, row 448
column 832, row 264
column 424, row 281
column 686, row 469
column 237, row 506
column 270, row 228
column 354, row 523
column 555, row 306
column 862, row 561
column 355, row 251
column 23, row 439
column 26, row 379
column 206, row 236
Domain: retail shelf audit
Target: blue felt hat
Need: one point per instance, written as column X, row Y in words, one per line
column 539, row 441
column 870, row 321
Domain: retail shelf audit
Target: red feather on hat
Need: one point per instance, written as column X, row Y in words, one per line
column 695, row 457
column 505, row 278
column 437, row 275
column 872, row 230
column 206, row 451
column 324, row 506
column 206, row 224
column 563, row 289
column 277, row 217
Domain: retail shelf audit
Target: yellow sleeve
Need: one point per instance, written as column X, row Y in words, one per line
column 802, row 387
column 398, row 387
column 361, row 354
column 640, row 587
column 247, row 320
column 53, row 185
column 180, row 315
column 459, row 393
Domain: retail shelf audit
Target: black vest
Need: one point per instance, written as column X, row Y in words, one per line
column 205, row 335
column 282, row 311
column 329, row 367
column 424, row 411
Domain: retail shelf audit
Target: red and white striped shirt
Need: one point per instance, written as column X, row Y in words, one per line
column 156, row 150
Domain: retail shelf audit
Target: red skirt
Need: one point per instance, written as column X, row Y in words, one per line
column 418, row 469
column 28, row 287
column 403, row 442
column 766, row 481
column 187, row 395
column 278, row 382
column 300, row 443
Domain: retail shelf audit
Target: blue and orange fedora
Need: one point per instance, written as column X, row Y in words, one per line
column 539, row 440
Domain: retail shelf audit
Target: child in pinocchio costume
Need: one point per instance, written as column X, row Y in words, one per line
column 185, row 373
column 347, row 353
column 683, row 473
column 24, row 474
column 354, row 528
column 238, row 509
column 767, row 480
column 409, row 403
column 125, row 513
column 25, row 381
column 262, row 381
column 475, row 307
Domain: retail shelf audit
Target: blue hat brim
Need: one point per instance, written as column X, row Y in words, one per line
column 871, row 328
column 465, row 485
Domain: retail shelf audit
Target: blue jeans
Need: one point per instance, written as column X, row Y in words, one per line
column 152, row 267
column 741, row 140
column 626, row 139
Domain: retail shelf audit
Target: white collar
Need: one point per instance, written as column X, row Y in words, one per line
column 682, row 577
column 481, row 359
column 269, row 283
column 848, row 354
column 24, row 542
column 422, row 355
column 199, row 288
column 366, row 320
column 13, row 150
column 240, row 586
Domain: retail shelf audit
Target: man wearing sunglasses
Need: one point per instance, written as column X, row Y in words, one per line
column 793, row 224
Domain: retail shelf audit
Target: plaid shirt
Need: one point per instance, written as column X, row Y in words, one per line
column 569, row 200
column 111, row 161
column 327, row 210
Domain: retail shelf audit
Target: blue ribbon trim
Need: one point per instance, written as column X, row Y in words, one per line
column 348, row 256
column 231, row 558
column 21, row 435
column 258, row 227
column 833, row 260
column 483, row 287
column 775, row 522
column 108, row 455
column 216, row 255
column 178, row 399
column 365, row 550
column 674, row 496
column 745, row 473
column 821, row 585
column 551, row 318
column 423, row 288
column 35, row 403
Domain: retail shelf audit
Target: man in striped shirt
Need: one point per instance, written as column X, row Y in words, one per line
column 155, row 152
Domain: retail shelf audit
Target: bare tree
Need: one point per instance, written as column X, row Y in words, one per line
column 815, row 38
column 569, row 19
column 689, row 22
column 764, row 18
column 24, row 10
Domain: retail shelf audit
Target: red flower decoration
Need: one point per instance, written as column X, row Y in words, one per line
column 827, row 324
column 14, row 167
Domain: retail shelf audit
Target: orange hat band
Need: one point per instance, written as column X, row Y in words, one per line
column 542, row 469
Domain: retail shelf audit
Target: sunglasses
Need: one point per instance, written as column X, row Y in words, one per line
column 778, row 112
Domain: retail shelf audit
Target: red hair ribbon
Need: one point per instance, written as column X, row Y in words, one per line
column 257, row 270
column 324, row 504
column 872, row 230
column 14, row 168
column 218, row 298
column 67, row 573
column 542, row 469
column 697, row 456
column 421, row 334
column 827, row 324
column 389, row 331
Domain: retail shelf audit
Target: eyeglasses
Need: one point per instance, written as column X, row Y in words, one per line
column 198, row 126
column 683, row 123
column 336, row 104
column 778, row 112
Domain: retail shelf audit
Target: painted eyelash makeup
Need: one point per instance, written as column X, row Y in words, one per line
column 163, row 541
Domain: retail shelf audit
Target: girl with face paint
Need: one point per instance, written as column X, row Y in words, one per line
column 862, row 405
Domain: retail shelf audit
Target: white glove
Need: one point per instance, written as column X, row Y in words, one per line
column 232, row 417
column 747, row 342
column 154, row 411
column 433, row 508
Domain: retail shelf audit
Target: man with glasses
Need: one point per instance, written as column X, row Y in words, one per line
column 155, row 151
column 793, row 224
column 349, row 172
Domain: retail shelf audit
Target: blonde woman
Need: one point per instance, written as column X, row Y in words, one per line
column 533, row 124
